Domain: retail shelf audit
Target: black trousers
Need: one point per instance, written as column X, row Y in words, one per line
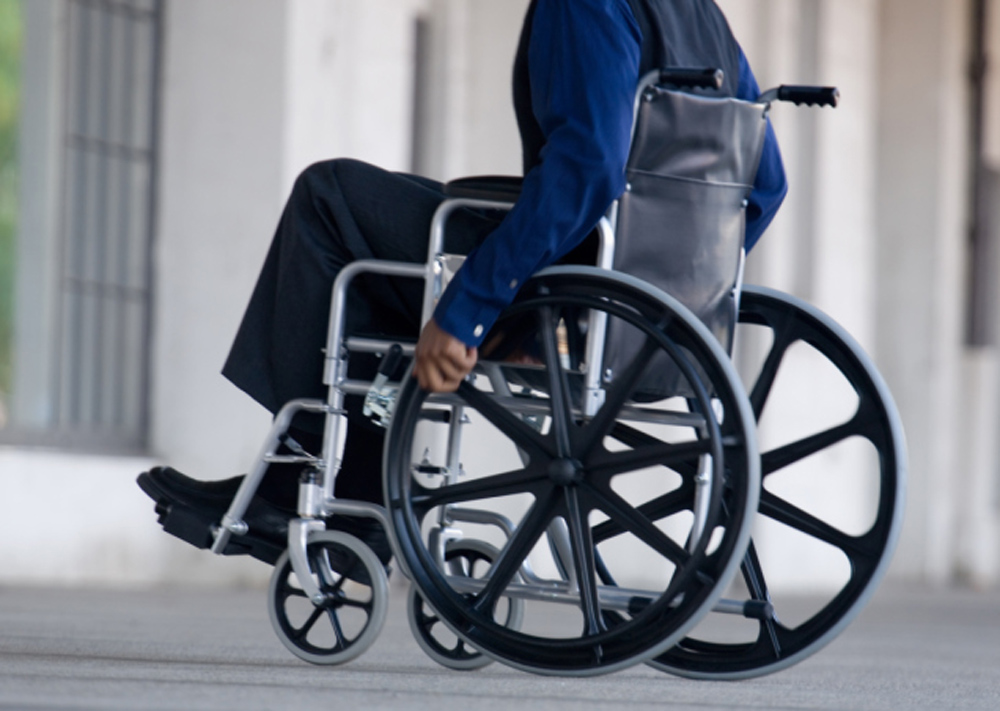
column 339, row 211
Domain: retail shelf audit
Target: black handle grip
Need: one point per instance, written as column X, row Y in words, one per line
column 809, row 95
column 682, row 77
column 391, row 360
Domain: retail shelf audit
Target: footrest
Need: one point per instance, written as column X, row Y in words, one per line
column 195, row 527
column 187, row 524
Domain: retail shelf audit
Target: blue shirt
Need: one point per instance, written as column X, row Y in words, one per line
column 584, row 64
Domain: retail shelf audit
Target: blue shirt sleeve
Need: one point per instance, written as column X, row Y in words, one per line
column 770, row 185
column 584, row 67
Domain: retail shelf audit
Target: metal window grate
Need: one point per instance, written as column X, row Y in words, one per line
column 113, row 58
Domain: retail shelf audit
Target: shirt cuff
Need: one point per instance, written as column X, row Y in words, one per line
column 466, row 317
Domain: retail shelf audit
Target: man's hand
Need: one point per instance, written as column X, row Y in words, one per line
column 441, row 361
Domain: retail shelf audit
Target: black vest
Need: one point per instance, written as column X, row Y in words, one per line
column 675, row 33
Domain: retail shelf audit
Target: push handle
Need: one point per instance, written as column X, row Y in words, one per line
column 809, row 95
column 685, row 78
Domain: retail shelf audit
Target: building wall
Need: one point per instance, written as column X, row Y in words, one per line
column 222, row 167
column 38, row 259
column 977, row 550
column 922, row 185
column 255, row 90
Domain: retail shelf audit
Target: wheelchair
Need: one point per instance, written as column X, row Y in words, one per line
column 590, row 496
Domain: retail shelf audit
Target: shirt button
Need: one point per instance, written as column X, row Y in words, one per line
column 513, row 283
column 478, row 331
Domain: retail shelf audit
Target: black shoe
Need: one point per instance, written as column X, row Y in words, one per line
column 189, row 509
column 166, row 484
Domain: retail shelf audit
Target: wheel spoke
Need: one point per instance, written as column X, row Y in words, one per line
column 508, row 563
column 559, row 399
column 289, row 591
column 359, row 604
column 790, row 515
column 428, row 620
column 517, row 481
column 634, row 438
column 575, row 338
column 603, row 573
column 661, row 507
column 583, row 559
column 797, row 451
column 753, row 576
column 619, row 392
column 523, row 435
column 605, row 465
column 337, row 629
column 307, row 626
column 321, row 565
column 621, row 512
column 765, row 381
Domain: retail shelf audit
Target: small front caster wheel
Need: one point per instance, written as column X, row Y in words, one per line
column 472, row 559
column 353, row 611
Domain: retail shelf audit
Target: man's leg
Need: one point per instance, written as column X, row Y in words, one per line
column 339, row 211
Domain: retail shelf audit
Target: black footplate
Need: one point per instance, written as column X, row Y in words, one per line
column 195, row 527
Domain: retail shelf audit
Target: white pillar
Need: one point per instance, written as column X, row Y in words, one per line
column 780, row 53
column 254, row 92
column 921, row 194
column 220, row 197
column 469, row 124
column 348, row 82
column 443, row 100
column 977, row 529
column 845, row 202
column 979, row 489
column 492, row 144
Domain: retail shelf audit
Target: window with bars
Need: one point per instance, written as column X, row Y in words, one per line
column 94, row 388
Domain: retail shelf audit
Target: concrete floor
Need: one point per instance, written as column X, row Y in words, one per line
column 191, row 649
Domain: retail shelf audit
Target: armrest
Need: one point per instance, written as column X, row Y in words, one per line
column 501, row 188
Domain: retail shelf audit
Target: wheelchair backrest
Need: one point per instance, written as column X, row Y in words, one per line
column 681, row 222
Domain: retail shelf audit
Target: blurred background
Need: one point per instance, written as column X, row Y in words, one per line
column 147, row 148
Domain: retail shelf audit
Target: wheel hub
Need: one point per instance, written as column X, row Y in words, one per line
column 566, row 471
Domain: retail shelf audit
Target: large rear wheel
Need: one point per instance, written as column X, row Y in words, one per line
column 833, row 491
column 654, row 489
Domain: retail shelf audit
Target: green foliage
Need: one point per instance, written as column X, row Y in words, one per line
column 10, row 79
